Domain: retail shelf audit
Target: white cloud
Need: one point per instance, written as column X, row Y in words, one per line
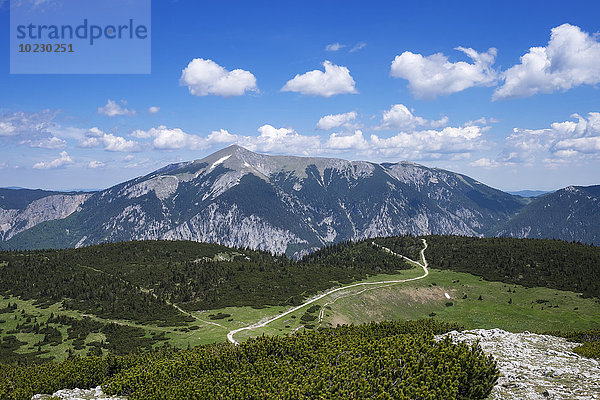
column 63, row 160
column 335, row 120
column 221, row 136
column 31, row 125
column 171, row 138
column 339, row 141
column 358, row 46
column 204, row 77
column 96, row 137
column 96, row 164
column 281, row 140
column 572, row 147
column 562, row 142
column 482, row 121
column 570, row 59
column 153, row 109
column 486, row 163
column 112, row 109
column 431, row 144
column 334, row 47
column 433, row 76
column 7, row 129
column 89, row 143
column 400, row 117
column 117, row 143
column 46, row 143
column 335, row 80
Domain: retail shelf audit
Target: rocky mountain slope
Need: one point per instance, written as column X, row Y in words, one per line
column 289, row 205
column 21, row 209
column 571, row 214
column 282, row 204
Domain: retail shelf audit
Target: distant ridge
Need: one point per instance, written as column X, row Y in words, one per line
column 282, row 204
column 530, row 193
column 571, row 214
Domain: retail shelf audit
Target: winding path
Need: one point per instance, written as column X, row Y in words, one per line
column 423, row 264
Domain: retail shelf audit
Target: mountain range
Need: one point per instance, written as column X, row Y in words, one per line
column 290, row 205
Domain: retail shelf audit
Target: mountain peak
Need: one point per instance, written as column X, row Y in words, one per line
column 280, row 203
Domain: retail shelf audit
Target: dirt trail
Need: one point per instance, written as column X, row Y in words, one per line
column 423, row 264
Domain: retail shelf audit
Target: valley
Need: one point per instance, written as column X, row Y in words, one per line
column 337, row 297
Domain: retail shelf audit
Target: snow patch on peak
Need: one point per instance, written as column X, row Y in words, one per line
column 219, row 161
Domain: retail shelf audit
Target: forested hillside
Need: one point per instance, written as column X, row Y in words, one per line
column 530, row 262
column 137, row 280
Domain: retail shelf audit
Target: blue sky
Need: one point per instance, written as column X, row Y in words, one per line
column 505, row 92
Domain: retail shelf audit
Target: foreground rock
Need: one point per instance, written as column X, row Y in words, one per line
column 536, row 366
column 77, row 394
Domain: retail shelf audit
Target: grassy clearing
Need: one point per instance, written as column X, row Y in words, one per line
column 292, row 321
column 510, row 307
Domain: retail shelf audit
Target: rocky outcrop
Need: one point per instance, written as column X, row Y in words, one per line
column 77, row 394
column 535, row 367
column 58, row 206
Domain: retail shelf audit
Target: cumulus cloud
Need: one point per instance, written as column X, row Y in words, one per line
column 46, row 143
column 431, row 144
column 7, row 129
column 164, row 138
column 335, row 120
column 170, row 138
column 570, row 59
column 281, row 140
column 334, row 47
column 572, row 147
column 113, row 109
column 432, row 76
column 346, row 142
column 486, row 163
column 96, row 164
column 221, row 136
column 561, row 142
column 335, row 80
column 24, row 124
column 96, row 137
column 153, row 109
column 62, row 161
column 400, row 117
column 204, row 77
